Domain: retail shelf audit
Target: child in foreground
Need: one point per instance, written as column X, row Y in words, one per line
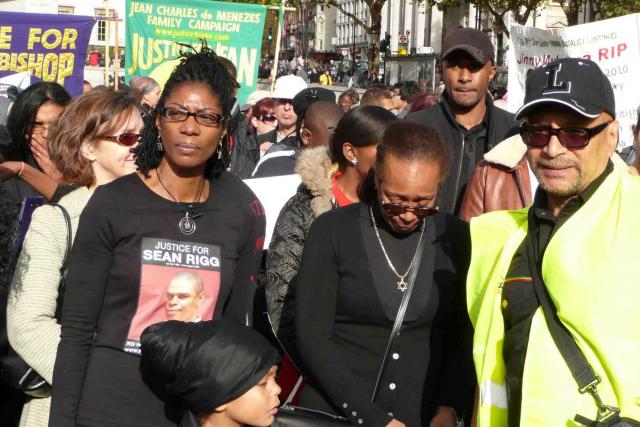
column 220, row 373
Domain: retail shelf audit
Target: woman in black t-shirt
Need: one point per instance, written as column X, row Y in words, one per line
column 180, row 239
column 355, row 269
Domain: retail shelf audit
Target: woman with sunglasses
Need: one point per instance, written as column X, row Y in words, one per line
column 91, row 146
column 264, row 121
column 180, row 215
column 357, row 265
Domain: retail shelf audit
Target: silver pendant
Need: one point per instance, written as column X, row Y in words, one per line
column 402, row 285
column 187, row 225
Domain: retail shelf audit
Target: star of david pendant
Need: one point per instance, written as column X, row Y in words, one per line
column 402, row 285
column 187, row 225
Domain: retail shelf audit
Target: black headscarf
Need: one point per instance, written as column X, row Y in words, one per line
column 204, row 365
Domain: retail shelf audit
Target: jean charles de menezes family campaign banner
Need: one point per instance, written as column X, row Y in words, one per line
column 156, row 27
column 51, row 48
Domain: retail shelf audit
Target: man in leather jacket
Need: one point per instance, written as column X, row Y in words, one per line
column 466, row 118
column 501, row 181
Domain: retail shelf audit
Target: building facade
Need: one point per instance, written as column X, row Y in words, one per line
column 312, row 29
column 351, row 38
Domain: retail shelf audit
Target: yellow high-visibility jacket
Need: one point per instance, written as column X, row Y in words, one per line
column 591, row 268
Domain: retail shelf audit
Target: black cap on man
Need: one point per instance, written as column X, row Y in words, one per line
column 467, row 66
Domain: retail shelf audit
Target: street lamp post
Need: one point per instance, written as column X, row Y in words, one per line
column 353, row 52
column 269, row 39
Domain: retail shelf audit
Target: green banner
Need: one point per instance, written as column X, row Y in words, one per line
column 232, row 30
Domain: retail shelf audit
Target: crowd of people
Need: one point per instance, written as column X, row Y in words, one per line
column 342, row 73
column 443, row 261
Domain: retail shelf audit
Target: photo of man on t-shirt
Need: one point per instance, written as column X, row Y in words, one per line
column 184, row 295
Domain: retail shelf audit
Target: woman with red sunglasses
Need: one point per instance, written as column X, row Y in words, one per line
column 357, row 265
column 90, row 146
column 264, row 121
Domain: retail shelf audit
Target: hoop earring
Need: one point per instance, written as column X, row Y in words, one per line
column 159, row 146
column 220, row 150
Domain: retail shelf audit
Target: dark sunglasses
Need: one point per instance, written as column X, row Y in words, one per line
column 267, row 118
column 538, row 136
column 202, row 117
column 127, row 139
column 395, row 209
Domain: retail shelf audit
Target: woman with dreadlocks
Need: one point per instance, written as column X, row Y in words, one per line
column 179, row 240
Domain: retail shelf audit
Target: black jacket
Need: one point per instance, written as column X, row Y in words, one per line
column 314, row 197
column 244, row 151
column 500, row 125
column 280, row 159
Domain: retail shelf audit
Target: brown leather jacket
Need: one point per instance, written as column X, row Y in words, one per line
column 500, row 181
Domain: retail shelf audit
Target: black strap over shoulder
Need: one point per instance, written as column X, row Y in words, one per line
column 65, row 262
column 580, row 368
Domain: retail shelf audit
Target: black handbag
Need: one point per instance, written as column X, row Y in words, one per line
column 14, row 371
column 296, row 416
column 581, row 370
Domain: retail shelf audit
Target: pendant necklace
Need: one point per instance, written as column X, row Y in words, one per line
column 402, row 283
column 187, row 225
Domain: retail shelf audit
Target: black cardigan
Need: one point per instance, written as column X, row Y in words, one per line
column 342, row 330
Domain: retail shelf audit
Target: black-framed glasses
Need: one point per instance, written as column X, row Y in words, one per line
column 128, row 139
column 395, row 209
column 571, row 137
column 202, row 117
column 268, row 118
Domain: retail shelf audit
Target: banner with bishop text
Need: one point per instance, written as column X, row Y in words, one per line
column 156, row 27
column 614, row 44
column 50, row 48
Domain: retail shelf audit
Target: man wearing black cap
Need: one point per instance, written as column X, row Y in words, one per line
column 466, row 118
column 553, row 340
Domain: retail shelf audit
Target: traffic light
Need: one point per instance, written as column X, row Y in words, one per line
column 385, row 44
column 270, row 35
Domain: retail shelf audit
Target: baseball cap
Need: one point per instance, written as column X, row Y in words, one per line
column 474, row 42
column 303, row 100
column 287, row 87
column 253, row 98
column 576, row 83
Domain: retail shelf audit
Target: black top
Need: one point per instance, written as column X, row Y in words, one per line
column 242, row 147
column 519, row 302
column 127, row 251
column 343, row 325
column 467, row 145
